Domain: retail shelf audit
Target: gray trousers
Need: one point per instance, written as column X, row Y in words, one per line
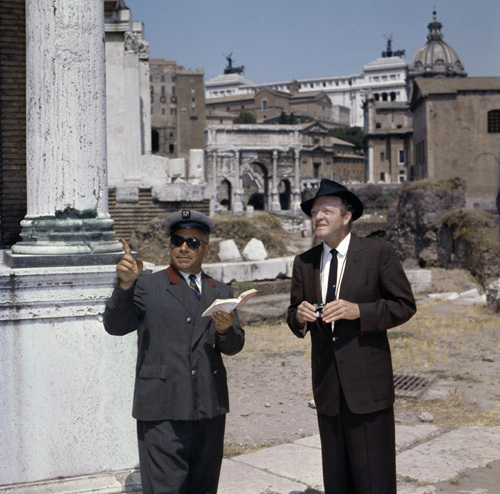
column 181, row 457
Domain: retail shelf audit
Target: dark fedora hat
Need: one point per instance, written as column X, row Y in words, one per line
column 331, row 188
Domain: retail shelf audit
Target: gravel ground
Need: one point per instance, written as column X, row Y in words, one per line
column 270, row 380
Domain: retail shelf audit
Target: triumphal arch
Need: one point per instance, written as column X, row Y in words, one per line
column 255, row 165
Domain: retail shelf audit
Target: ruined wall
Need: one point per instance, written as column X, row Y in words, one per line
column 414, row 220
column 469, row 239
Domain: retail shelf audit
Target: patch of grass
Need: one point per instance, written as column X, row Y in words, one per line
column 449, row 411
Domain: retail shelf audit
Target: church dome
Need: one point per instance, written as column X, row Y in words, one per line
column 436, row 58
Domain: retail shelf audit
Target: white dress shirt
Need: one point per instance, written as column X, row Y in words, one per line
column 326, row 258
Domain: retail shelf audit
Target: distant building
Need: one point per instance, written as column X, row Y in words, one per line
column 177, row 109
column 269, row 106
column 388, row 141
column 384, row 78
column 456, row 133
column 436, row 58
column 448, row 129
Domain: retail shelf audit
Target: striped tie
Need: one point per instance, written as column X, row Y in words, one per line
column 194, row 286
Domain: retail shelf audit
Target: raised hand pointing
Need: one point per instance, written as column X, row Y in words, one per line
column 128, row 269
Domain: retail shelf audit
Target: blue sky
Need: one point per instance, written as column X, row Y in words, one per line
column 279, row 40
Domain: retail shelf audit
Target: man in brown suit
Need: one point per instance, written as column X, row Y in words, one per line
column 348, row 291
column 181, row 395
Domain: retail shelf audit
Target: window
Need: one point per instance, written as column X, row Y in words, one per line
column 382, row 156
column 316, row 166
column 401, row 156
column 494, row 121
column 264, row 104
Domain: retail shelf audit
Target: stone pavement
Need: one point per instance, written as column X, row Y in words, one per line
column 429, row 460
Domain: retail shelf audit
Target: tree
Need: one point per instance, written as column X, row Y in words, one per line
column 245, row 118
column 354, row 135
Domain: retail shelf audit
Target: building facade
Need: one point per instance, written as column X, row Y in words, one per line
column 385, row 78
column 178, row 115
column 388, row 136
column 269, row 106
column 456, row 132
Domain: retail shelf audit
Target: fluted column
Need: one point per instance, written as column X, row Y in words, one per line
column 370, row 177
column 296, row 193
column 67, row 203
column 275, row 197
column 238, row 207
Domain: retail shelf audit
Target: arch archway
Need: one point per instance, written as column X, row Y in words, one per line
column 285, row 192
column 224, row 193
column 255, row 182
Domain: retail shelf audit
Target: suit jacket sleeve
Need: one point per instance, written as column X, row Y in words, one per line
column 297, row 295
column 392, row 303
column 124, row 310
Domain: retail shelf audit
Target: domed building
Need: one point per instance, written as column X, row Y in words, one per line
column 436, row 58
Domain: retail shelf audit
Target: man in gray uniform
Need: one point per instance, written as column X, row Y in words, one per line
column 181, row 395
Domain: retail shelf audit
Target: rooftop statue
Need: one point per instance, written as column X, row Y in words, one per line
column 389, row 53
column 230, row 69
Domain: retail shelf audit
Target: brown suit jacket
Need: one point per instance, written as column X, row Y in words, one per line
column 360, row 359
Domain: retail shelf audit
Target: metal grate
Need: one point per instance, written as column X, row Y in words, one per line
column 411, row 385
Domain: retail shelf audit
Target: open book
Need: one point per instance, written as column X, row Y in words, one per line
column 228, row 304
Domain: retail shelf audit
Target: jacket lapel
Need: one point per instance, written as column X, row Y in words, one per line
column 353, row 263
column 181, row 291
column 209, row 292
column 316, row 277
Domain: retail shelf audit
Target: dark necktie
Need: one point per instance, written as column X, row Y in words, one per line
column 332, row 278
column 194, row 286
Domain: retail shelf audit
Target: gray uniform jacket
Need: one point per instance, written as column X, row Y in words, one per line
column 180, row 374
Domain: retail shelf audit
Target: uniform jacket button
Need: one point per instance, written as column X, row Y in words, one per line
column 188, row 320
column 193, row 372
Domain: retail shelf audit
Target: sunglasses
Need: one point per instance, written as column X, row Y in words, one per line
column 192, row 243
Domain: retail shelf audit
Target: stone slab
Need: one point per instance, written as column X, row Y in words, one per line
column 99, row 484
column 236, row 477
column 407, row 435
column 294, row 462
column 446, row 456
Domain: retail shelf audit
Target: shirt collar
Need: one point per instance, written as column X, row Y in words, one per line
column 341, row 248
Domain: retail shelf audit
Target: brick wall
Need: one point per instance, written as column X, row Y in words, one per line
column 12, row 120
column 128, row 217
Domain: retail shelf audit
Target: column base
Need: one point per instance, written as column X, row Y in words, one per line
column 74, row 240
column 14, row 260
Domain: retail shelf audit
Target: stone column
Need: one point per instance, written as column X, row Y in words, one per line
column 67, row 210
column 66, row 385
column 145, row 97
column 275, row 197
column 238, row 191
column 369, row 166
column 296, row 194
